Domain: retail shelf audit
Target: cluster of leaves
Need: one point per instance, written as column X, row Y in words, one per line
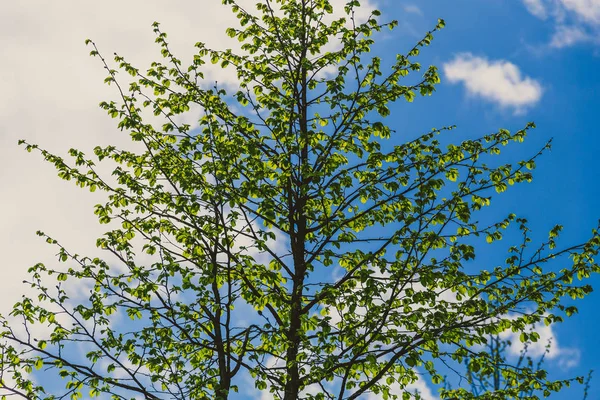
column 285, row 238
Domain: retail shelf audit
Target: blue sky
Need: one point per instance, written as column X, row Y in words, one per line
column 503, row 63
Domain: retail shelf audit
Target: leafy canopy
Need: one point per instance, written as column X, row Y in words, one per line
column 290, row 235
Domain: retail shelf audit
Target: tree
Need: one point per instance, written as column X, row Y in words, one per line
column 284, row 237
column 491, row 379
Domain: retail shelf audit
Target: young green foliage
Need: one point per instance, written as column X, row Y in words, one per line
column 284, row 237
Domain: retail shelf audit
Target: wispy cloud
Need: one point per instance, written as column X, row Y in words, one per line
column 536, row 7
column 566, row 36
column 498, row 81
column 584, row 10
column 588, row 10
column 564, row 357
column 576, row 21
column 413, row 9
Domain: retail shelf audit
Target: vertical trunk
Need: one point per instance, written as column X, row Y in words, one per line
column 222, row 389
column 294, row 334
column 292, row 387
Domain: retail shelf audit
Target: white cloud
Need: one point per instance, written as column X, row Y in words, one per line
column 422, row 388
column 498, row 81
column 419, row 386
column 51, row 95
column 566, row 36
column 576, row 21
column 587, row 10
column 536, row 7
column 565, row 357
column 583, row 10
column 51, row 92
